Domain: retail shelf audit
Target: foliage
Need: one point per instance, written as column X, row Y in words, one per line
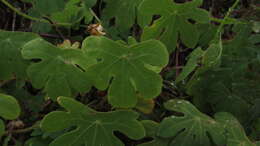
column 173, row 21
column 93, row 128
column 126, row 64
column 57, row 71
column 129, row 73
column 9, row 110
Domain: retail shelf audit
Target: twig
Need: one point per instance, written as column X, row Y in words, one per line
column 14, row 21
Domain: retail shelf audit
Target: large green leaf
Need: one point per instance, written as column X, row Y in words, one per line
column 92, row 128
column 125, row 66
column 11, row 61
column 57, row 71
column 194, row 128
column 151, row 129
column 124, row 12
column 9, row 107
column 236, row 134
column 174, row 21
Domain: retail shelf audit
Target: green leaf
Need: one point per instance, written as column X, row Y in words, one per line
column 61, row 11
column 212, row 56
column 36, row 141
column 174, row 21
column 92, row 128
column 73, row 12
column 236, row 134
column 49, row 6
column 125, row 66
column 2, row 128
column 124, row 12
column 191, row 64
column 9, row 107
column 191, row 129
column 57, row 71
column 11, row 61
column 151, row 129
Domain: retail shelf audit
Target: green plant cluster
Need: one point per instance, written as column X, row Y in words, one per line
column 213, row 99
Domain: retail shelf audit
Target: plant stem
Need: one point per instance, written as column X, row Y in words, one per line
column 94, row 14
column 21, row 13
column 22, row 130
column 226, row 17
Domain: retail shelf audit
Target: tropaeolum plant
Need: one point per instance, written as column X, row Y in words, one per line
column 161, row 73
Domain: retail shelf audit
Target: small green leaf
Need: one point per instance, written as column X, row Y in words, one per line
column 174, row 21
column 212, row 56
column 92, row 128
column 9, row 107
column 125, row 66
column 192, row 128
column 236, row 134
column 191, row 64
column 151, row 129
column 2, row 128
column 145, row 105
column 11, row 61
column 49, row 6
column 124, row 12
column 57, row 71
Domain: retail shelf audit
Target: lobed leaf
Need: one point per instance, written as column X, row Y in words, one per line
column 124, row 12
column 236, row 134
column 193, row 128
column 173, row 21
column 57, row 71
column 92, row 128
column 125, row 67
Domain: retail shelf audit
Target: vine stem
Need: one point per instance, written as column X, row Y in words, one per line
column 22, row 130
column 226, row 17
